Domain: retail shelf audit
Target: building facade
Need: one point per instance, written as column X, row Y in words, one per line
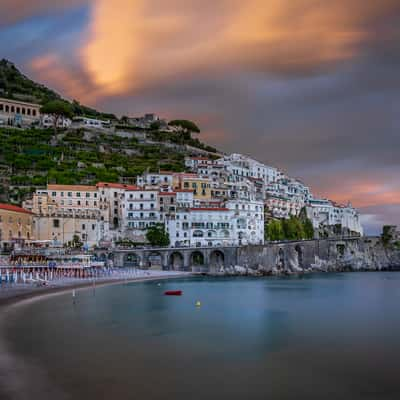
column 16, row 226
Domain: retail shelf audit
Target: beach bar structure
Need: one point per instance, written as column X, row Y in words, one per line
column 37, row 267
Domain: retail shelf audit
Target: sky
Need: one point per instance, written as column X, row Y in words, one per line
column 309, row 86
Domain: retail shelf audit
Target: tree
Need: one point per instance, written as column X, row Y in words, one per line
column 185, row 125
column 75, row 243
column 57, row 109
column 387, row 234
column 308, row 229
column 157, row 235
column 274, row 230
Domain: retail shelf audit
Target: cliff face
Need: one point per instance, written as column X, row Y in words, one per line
column 360, row 258
column 329, row 255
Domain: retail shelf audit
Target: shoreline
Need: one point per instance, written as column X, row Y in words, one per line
column 47, row 291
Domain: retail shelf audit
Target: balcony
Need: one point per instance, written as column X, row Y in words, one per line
column 142, row 218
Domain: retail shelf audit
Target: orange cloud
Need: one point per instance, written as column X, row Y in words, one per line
column 50, row 68
column 366, row 194
column 135, row 43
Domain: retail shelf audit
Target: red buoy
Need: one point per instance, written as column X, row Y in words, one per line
column 173, row 293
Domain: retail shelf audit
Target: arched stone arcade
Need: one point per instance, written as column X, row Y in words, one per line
column 280, row 264
column 131, row 260
column 217, row 259
column 300, row 256
column 176, row 261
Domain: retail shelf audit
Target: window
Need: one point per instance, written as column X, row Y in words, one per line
column 79, row 202
column 78, row 194
column 69, row 194
column 93, row 227
column 34, row 113
column 56, row 223
column 87, row 194
column 152, row 196
column 54, row 194
column 62, row 194
column 83, row 227
column 95, row 203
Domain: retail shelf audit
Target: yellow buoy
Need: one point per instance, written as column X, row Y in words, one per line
column 198, row 304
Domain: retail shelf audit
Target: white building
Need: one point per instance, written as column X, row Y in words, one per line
column 162, row 179
column 47, row 121
column 324, row 213
column 202, row 227
column 85, row 122
column 248, row 224
column 139, row 211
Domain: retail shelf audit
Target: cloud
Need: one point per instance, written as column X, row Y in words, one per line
column 139, row 43
column 13, row 11
column 72, row 81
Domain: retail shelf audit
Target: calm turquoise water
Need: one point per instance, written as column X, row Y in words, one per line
column 322, row 336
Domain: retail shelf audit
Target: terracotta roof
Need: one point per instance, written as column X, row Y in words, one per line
column 82, row 188
column 210, row 209
column 10, row 207
column 117, row 185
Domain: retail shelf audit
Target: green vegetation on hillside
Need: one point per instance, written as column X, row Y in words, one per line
column 15, row 85
column 187, row 125
column 294, row 228
column 32, row 157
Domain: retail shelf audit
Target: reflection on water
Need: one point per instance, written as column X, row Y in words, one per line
column 322, row 336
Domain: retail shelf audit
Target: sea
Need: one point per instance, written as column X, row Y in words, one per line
column 316, row 336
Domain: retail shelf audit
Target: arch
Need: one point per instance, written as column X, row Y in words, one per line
column 154, row 259
column 300, row 255
column 176, row 261
column 225, row 233
column 198, row 233
column 131, row 260
column 217, row 259
column 211, row 233
column 281, row 259
column 197, row 259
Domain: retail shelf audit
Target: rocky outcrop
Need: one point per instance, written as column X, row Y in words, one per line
column 363, row 254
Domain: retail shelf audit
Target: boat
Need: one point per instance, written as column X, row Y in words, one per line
column 173, row 293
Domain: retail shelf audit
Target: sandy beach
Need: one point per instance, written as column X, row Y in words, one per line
column 15, row 292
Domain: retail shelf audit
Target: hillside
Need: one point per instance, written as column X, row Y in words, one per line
column 15, row 85
column 31, row 158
